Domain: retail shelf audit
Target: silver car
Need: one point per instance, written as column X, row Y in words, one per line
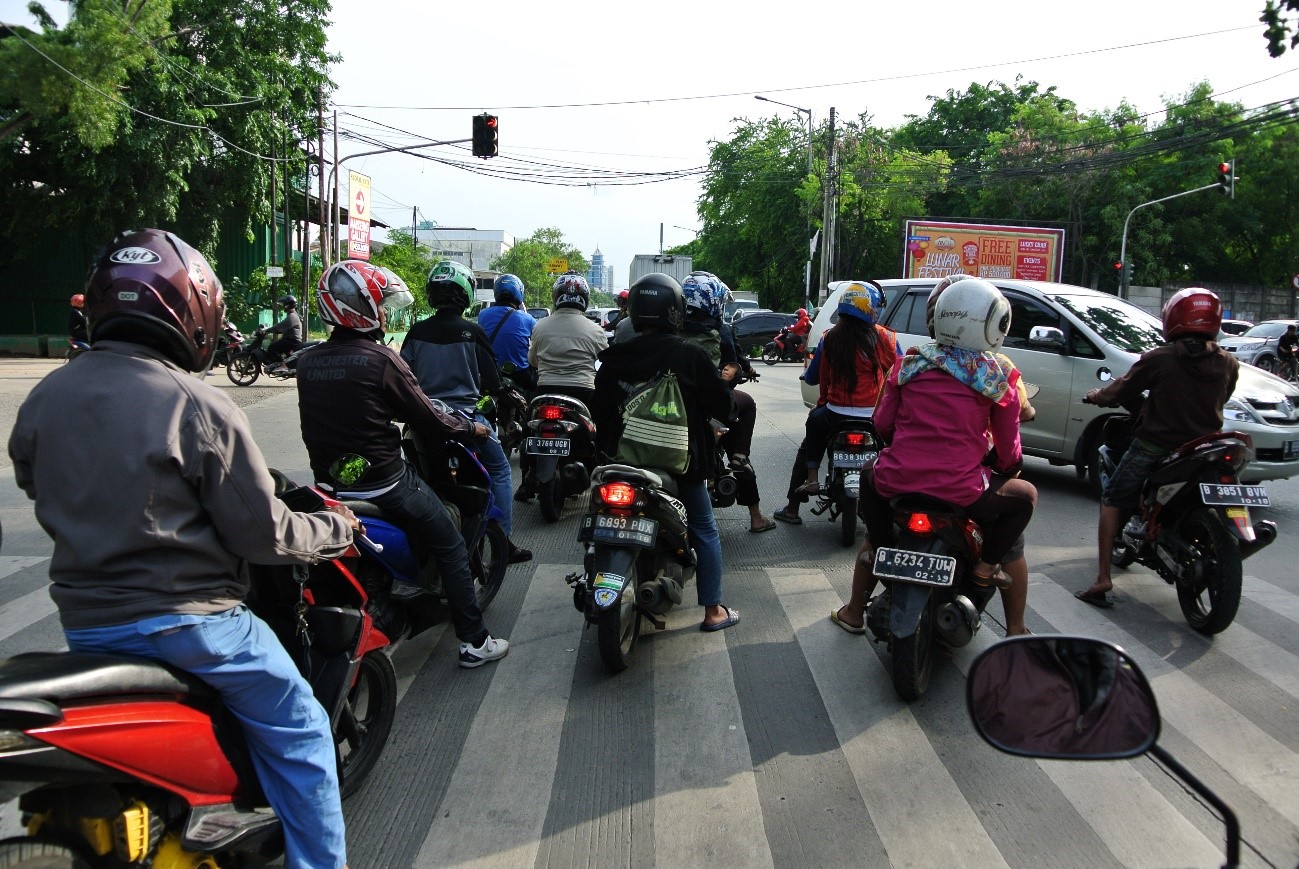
column 1066, row 340
column 1258, row 345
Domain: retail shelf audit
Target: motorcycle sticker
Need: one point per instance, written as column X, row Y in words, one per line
column 609, row 580
column 604, row 597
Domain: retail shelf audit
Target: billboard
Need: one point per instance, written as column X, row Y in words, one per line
column 935, row 249
column 358, row 216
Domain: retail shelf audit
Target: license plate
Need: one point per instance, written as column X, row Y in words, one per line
column 851, row 460
column 547, row 446
column 634, row 530
column 1290, row 450
column 917, row 567
column 1234, row 495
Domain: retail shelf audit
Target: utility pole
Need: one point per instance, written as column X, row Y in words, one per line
column 828, row 215
column 334, row 241
column 1123, row 246
column 414, row 228
column 320, row 186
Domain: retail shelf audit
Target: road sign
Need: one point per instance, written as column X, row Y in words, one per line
column 557, row 266
column 275, row 271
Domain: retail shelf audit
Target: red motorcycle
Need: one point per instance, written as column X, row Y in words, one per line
column 787, row 346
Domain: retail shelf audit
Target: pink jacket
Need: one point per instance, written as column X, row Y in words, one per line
column 939, row 428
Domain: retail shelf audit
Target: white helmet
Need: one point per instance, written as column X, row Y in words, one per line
column 973, row 315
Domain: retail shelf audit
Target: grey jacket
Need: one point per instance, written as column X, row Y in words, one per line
column 564, row 348
column 153, row 491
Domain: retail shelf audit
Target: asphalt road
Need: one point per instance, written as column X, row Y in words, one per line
column 780, row 742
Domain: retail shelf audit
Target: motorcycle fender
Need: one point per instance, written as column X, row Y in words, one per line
column 852, row 484
column 611, row 567
column 544, row 467
column 907, row 604
column 1236, row 520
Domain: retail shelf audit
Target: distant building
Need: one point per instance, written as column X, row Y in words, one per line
column 475, row 248
column 599, row 276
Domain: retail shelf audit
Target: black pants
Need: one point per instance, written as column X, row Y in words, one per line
column 740, row 440
column 280, row 348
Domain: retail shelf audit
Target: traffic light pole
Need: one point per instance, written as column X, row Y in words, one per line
column 1123, row 247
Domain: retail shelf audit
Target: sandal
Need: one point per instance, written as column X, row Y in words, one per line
column 809, row 489
column 996, row 579
column 765, row 525
column 852, row 629
column 783, row 515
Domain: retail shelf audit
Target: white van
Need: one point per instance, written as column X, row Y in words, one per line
column 738, row 305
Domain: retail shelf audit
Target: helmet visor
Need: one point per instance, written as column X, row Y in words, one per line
column 397, row 300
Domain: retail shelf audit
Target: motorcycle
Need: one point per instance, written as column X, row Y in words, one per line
column 723, row 487
column 638, row 558
column 1192, row 525
column 508, row 411
column 1075, row 698
column 929, row 595
column 246, row 365
column 852, row 447
column 560, row 444
column 75, row 348
column 230, row 342
column 785, row 347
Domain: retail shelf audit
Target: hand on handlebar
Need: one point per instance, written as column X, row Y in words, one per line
column 346, row 512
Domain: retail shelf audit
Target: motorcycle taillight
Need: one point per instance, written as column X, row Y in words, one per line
column 618, row 494
column 551, row 411
column 856, row 439
column 919, row 524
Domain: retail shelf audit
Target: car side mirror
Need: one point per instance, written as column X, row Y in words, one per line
column 1046, row 337
column 1061, row 697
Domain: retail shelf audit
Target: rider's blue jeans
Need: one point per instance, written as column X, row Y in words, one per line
column 492, row 455
column 287, row 730
column 705, row 539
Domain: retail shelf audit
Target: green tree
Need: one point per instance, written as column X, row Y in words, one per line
column 1280, row 20
column 412, row 264
column 528, row 258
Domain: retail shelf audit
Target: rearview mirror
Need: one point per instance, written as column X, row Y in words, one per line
column 1047, row 337
column 1062, row 698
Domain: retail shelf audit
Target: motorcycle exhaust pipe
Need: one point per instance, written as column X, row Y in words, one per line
column 574, row 477
column 958, row 621
column 1264, row 534
column 659, row 595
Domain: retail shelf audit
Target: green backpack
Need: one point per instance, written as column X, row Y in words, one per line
column 655, row 431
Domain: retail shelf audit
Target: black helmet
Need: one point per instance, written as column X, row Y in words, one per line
column 149, row 287
column 287, row 302
column 655, row 301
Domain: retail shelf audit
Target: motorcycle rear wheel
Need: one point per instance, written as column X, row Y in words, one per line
column 489, row 562
column 913, row 657
column 550, row 495
column 1223, row 574
column 24, row 852
column 618, row 628
column 365, row 721
column 848, row 520
column 243, row 370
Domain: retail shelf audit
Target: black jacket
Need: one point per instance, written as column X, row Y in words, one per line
column 625, row 366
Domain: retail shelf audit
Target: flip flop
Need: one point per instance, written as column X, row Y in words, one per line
column 766, row 525
column 792, row 518
column 1101, row 599
column 996, row 579
column 834, row 617
column 732, row 618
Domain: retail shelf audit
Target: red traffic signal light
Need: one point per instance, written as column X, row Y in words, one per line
column 486, row 136
column 1227, row 178
column 1118, row 267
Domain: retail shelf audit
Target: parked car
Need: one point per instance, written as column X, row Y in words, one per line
column 1066, row 340
column 1258, row 345
column 753, row 331
column 599, row 315
column 1236, row 327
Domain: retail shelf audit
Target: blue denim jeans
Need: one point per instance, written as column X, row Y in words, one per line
column 705, row 539
column 416, row 507
column 492, row 455
column 287, row 730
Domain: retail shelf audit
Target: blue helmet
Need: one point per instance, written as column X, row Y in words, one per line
column 509, row 289
column 863, row 300
column 699, row 289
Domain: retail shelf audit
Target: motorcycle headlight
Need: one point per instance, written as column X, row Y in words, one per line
column 1238, row 411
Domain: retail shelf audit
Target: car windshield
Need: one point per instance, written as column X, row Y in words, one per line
column 1266, row 330
column 1118, row 323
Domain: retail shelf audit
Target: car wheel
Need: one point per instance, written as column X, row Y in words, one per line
column 1267, row 362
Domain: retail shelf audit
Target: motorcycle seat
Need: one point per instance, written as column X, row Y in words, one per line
column 563, row 401
column 629, row 474
column 59, row 677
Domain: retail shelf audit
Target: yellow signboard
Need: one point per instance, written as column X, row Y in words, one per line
column 557, row 266
column 936, row 249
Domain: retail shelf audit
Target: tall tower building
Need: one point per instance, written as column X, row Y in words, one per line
column 598, row 275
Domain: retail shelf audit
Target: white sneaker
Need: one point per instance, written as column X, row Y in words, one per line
column 492, row 649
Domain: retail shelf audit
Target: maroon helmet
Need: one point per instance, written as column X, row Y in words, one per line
column 149, row 287
column 1192, row 311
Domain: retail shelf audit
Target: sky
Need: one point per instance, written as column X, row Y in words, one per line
column 644, row 88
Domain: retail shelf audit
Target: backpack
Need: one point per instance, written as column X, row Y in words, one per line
column 656, row 433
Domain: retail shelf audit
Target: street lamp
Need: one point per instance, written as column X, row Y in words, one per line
column 807, row 279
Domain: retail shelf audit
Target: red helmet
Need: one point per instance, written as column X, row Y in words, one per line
column 351, row 293
column 1192, row 311
column 622, row 298
column 149, row 287
column 78, row 300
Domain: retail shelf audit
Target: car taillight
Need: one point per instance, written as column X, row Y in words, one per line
column 552, row 411
column 856, row 439
column 618, row 494
column 919, row 524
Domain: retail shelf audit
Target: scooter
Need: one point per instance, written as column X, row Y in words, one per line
column 1192, row 525
column 246, row 365
column 852, row 448
column 560, row 446
column 1075, row 698
column 785, row 347
column 230, row 343
column 75, row 348
column 929, row 595
column 509, row 411
column 637, row 558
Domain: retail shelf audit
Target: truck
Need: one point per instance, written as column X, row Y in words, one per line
column 643, row 264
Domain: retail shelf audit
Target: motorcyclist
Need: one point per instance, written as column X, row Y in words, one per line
column 1188, row 380
column 620, row 314
column 704, row 293
column 564, row 349
column 657, row 308
column 453, row 361
column 850, row 365
column 350, row 389
column 151, row 525
column 77, row 323
column 937, row 410
column 509, row 330
column 1285, row 346
column 290, row 327
column 798, row 331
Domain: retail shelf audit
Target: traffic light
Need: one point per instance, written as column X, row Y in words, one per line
column 486, row 136
column 1227, row 178
column 1123, row 271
